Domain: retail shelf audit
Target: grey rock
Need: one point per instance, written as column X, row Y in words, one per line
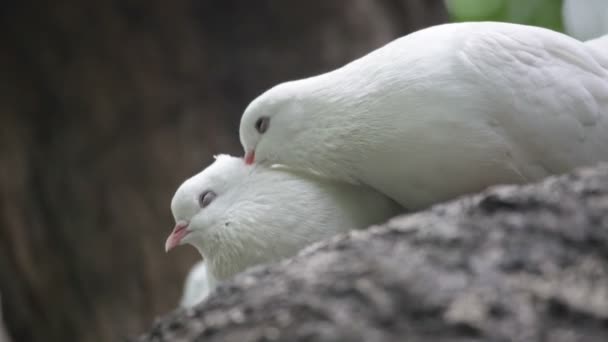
column 515, row 263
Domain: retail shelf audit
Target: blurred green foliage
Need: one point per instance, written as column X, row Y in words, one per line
column 545, row 13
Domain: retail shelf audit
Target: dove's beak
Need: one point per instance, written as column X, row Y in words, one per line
column 250, row 157
column 177, row 235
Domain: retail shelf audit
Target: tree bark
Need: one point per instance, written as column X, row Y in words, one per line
column 513, row 264
column 106, row 106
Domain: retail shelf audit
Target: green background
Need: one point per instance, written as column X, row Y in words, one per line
column 545, row 13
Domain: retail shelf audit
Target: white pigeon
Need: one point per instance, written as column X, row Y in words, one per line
column 238, row 216
column 585, row 19
column 442, row 112
column 196, row 287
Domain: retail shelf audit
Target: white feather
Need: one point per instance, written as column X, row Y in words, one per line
column 265, row 214
column 442, row 112
column 196, row 287
column 600, row 48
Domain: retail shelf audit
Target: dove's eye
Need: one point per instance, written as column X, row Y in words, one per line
column 206, row 198
column 262, row 124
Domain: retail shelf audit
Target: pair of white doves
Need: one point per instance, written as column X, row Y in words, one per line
column 442, row 112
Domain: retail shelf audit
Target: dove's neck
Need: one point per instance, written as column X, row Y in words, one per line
column 336, row 108
column 232, row 249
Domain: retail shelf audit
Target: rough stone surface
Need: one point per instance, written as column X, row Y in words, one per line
column 511, row 264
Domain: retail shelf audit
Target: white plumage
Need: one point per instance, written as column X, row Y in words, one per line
column 442, row 112
column 600, row 48
column 196, row 286
column 260, row 214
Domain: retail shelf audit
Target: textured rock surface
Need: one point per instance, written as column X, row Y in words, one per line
column 512, row 264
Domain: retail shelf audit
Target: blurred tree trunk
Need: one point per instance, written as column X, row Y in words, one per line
column 105, row 107
column 3, row 333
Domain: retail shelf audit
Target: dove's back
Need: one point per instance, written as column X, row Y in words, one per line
column 455, row 108
column 600, row 48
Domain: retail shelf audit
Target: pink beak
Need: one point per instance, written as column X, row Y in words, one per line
column 250, row 157
column 176, row 236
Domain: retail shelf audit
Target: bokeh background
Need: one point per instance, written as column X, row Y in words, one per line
column 107, row 106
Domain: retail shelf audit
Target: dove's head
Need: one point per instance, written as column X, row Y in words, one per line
column 238, row 215
column 200, row 204
column 274, row 125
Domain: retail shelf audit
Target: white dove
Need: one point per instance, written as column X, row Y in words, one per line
column 441, row 112
column 237, row 215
